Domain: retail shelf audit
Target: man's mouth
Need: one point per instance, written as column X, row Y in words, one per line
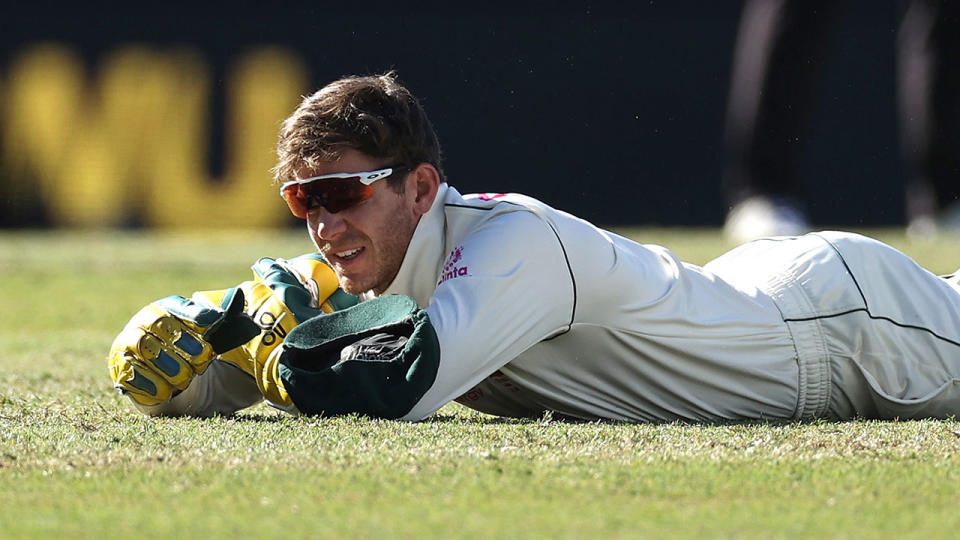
column 348, row 254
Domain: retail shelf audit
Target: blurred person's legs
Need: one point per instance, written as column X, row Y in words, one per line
column 929, row 98
column 777, row 58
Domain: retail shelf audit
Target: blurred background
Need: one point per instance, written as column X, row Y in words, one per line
column 165, row 115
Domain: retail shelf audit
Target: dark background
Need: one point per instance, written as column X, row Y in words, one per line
column 612, row 112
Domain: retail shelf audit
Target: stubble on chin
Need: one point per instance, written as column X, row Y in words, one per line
column 349, row 286
column 387, row 247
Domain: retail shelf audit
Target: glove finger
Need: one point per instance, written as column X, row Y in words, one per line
column 298, row 296
column 314, row 267
column 183, row 353
column 160, row 349
column 179, row 323
column 275, row 271
column 322, row 282
column 139, row 381
column 294, row 290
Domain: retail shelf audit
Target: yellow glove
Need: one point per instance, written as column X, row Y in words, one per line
column 172, row 340
column 278, row 299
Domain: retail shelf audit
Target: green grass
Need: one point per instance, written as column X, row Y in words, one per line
column 77, row 461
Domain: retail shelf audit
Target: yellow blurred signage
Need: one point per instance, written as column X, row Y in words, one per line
column 132, row 141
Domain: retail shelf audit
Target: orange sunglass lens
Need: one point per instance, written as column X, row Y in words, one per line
column 296, row 200
column 335, row 195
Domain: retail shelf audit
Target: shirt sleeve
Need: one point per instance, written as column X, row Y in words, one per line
column 507, row 287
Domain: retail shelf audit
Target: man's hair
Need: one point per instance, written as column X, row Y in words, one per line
column 373, row 114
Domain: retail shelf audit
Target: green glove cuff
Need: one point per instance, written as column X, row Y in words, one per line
column 397, row 362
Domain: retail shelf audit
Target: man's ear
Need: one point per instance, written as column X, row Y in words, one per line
column 423, row 183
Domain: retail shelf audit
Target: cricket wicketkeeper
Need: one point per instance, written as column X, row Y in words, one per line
column 418, row 296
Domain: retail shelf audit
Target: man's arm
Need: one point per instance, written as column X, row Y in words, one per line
column 387, row 358
column 518, row 291
column 163, row 357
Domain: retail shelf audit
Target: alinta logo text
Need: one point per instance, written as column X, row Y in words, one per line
column 451, row 270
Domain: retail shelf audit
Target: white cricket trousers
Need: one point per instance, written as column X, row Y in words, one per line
column 877, row 336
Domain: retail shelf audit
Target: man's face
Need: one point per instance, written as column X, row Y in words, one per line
column 365, row 244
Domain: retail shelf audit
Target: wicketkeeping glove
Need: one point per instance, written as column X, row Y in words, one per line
column 172, row 340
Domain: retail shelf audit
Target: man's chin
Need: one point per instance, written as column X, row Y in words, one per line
column 353, row 287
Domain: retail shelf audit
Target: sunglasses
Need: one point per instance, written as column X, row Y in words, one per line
column 334, row 192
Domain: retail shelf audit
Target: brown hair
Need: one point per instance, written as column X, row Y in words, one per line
column 374, row 114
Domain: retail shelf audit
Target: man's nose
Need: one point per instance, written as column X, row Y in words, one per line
column 329, row 225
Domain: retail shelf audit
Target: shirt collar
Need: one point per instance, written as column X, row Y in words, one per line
column 418, row 274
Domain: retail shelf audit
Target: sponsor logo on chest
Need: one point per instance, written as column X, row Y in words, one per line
column 454, row 268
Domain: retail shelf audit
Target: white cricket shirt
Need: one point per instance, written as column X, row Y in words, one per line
column 538, row 310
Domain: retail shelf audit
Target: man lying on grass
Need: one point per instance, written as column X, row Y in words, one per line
column 419, row 296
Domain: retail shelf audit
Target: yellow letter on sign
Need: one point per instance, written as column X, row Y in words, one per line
column 133, row 146
column 49, row 145
column 262, row 89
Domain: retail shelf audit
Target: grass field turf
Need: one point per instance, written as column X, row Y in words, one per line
column 77, row 461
